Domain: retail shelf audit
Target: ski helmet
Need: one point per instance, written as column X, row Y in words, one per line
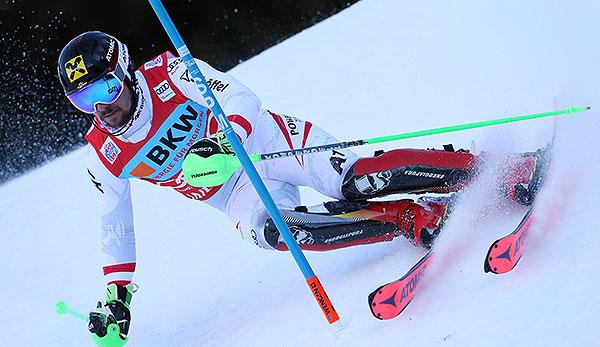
column 93, row 68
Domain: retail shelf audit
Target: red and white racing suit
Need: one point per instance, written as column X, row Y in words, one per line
column 171, row 115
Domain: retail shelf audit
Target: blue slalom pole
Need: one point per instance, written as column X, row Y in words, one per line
column 240, row 152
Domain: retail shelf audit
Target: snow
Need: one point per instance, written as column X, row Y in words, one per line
column 379, row 67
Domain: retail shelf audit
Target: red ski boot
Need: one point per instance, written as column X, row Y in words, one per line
column 525, row 174
column 420, row 222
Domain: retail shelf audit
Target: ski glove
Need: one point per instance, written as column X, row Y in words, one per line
column 114, row 311
column 209, row 146
column 210, row 162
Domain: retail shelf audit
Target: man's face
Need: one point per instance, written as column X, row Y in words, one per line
column 116, row 114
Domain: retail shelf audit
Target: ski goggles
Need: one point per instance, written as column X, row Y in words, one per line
column 104, row 90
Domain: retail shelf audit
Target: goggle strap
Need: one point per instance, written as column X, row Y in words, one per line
column 119, row 73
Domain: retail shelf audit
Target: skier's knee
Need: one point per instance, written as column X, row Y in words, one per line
column 253, row 234
column 271, row 234
column 274, row 239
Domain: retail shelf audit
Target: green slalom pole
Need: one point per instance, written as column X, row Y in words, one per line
column 112, row 337
column 487, row 123
column 218, row 168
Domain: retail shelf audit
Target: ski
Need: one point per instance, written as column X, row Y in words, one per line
column 389, row 300
column 505, row 253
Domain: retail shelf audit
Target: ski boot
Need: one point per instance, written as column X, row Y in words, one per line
column 419, row 221
column 525, row 175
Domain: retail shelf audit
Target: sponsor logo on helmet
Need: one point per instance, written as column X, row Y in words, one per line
column 123, row 53
column 164, row 91
column 158, row 61
column 75, row 68
column 110, row 150
column 111, row 50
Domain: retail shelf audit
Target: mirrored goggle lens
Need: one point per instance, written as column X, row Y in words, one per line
column 103, row 91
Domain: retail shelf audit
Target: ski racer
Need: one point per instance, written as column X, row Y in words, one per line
column 145, row 123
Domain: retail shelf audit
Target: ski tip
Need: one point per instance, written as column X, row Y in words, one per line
column 487, row 268
column 589, row 108
column 373, row 305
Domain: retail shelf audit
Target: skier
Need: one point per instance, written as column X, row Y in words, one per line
column 146, row 121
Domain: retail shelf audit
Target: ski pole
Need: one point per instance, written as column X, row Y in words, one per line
column 111, row 339
column 309, row 275
column 218, row 168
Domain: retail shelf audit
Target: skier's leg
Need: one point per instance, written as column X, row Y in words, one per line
column 248, row 213
column 322, row 171
column 343, row 175
column 338, row 224
column 442, row 171
column 409, row 171
column 344, row 224
column 254, row 224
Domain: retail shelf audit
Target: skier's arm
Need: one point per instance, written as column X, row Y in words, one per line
column 240, row 104
column 116, row 213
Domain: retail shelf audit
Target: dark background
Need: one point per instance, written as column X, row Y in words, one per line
column 38, row 124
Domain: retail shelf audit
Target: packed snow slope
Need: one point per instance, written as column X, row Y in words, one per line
column 380, row 67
